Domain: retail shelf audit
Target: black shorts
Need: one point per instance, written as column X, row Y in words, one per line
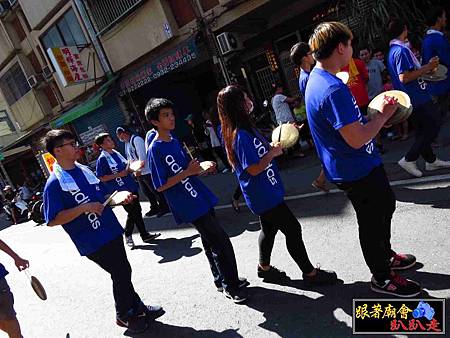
column 6, row 301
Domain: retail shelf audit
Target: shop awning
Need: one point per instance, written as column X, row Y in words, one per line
column 15, row 151
column 92, row 103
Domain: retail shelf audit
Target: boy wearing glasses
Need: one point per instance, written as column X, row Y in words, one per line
column 73, row 198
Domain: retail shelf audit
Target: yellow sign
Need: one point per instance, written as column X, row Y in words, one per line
column 49, row 161
column 68, row 65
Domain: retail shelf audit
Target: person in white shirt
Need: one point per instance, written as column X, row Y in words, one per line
column 280, row 105
column 135, row 151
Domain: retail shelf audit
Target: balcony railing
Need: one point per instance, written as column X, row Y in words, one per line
column 106, row 13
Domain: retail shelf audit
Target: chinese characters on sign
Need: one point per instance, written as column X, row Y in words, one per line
column 385, row 316
column 49, row 161
column 68, row 65
column 183, row 54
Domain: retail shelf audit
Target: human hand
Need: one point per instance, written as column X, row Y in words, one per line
column 388, row 107
column 194, row 168
column 129, row 198
column 123, row 173
column 93, row 207
column 21, row 263
column 432, row 64
column 276, row 150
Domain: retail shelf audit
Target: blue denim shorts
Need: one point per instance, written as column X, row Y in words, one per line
column 6, row 301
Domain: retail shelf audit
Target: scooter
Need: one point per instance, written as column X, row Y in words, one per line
column 20, row 207
column 36, row 209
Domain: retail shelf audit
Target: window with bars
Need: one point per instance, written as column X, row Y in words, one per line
column 14, row 84
column 6, row 125
column 105, row 13
column 66, row 32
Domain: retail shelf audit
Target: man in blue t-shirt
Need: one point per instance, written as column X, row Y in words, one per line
column 434, row 44
column 8, row 319
column 175, row 174
column 74, row 198
column 112, row 169
column 344, row 142
column 406, row 74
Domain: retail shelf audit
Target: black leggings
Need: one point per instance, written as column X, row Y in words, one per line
column 221, row 154
column 237, row 193
column 281, row 218
column 134, row 217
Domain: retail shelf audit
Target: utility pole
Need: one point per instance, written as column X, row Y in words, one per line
column 221, row 72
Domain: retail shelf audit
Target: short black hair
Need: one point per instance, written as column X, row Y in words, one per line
column 366, row 48
column 378, row 49
column 396, row 26
column 298, row 52
column 55, row 138
column 100, row 138
column 433, row 14
column 154, row 106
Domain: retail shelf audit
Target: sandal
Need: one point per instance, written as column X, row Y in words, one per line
column 235, row 205
column 319, row 186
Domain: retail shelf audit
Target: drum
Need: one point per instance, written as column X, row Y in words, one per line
column 401, row 114
column 439, row 74
column 287, row 134
column 343, row 76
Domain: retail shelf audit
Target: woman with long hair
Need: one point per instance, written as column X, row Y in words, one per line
column 252, row 158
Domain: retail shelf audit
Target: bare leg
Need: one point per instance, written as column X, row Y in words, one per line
column 320, row 182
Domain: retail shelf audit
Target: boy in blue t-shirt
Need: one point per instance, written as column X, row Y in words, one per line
column 406, row 74
column 174, row 173
column 8, row 319
column 112, row 170
column 73, row 198
column 343, row 139
column 435, row 43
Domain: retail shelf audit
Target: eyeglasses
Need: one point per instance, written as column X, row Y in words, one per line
column 73, row 144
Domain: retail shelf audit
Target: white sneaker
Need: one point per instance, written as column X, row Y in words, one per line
column 129, row 241
column 437, row 164
column 410, row 167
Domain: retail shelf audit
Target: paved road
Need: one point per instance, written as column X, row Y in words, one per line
column 174, row 272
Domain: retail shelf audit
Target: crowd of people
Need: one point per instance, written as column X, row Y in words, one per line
column 335, row 123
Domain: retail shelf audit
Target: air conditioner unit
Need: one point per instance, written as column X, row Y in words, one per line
column 229, row 42
column 35, row 80
column 47, row 72
column 4, row 7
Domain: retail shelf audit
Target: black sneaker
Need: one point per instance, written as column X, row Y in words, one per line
column 162, row 212
column 243, row 282
column 151, row 212
column 150, row 237
column 402, row 261
column 321, row 277
column 152, row 311
column 134, row 324
column 237, row 296
column 396, row 286
column 273, row 274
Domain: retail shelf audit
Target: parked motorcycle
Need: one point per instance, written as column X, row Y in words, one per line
column 36, row 209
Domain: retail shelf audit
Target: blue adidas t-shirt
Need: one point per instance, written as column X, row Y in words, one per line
column 88, row 232
column 435, row 44
column 303, row 80
column 126, row 183
column 329, row 107
column 3, row 271
column 265, row 190
column 400, row 61
column 189, row 199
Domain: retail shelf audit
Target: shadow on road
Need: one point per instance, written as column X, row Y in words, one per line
column 172, row 249
column 435, row 197
column 162, row 330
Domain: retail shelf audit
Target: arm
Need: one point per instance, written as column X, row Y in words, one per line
column 21, row 263
column 68, row 215
column 290, row 99
column 356, row 135
column 192, row 169
column 256, row 169
column 412, row 75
